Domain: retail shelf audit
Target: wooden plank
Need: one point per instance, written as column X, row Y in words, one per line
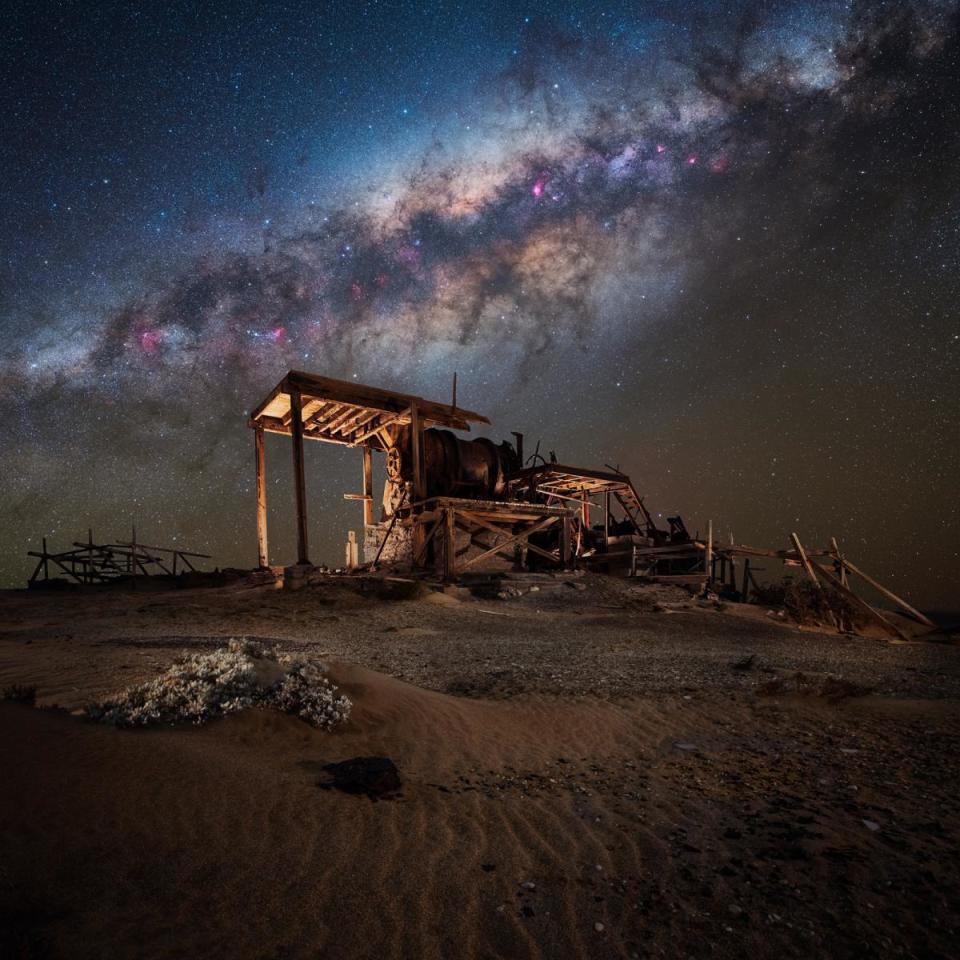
column 889, row 594
column 416, row 455
column 708, row 556
column 473, row 518
column 421, row 555
column 566, row 542
column 384, row 422
column 362, row 419
column 861, row 604
column 300, row 487
column 348, row 391
column 509, row 542
column 449, row 543
column 805, row 560
column 367, row 486
column 261, row 467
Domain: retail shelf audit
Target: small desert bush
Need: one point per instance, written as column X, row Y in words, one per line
column 808, row 604
column 244, row 674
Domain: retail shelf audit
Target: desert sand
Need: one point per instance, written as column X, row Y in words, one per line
column 589, row 770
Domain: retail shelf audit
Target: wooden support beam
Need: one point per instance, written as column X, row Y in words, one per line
column 261, row 467
column 416, row 455
column 449, row 543
column 861, row 604
column 367, row 486
column 708, row 556
column 421, row 556
column 805, row 560
column 419, row 480
column 383, row 422
column 566, row 542
column 509, row 542
column 889, row 594
column 299, row 480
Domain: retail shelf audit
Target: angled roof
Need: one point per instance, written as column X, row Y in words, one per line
column 349, row 413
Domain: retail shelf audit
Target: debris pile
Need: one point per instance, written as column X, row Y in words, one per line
column 244, row 674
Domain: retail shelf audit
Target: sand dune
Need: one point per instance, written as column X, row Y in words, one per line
column 524, row 829
column 703, row 820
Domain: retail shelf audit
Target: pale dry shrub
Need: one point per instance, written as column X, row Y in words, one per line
column 243, row 674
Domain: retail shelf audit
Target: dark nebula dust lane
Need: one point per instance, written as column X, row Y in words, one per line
column 716, row 244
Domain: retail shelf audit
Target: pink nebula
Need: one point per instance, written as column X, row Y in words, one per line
column 150, row 340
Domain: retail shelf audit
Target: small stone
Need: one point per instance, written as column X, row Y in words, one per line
column 599, row 927
column 735, row 909
column 685, row 746
column 529, row 885
column 373, row 776
column 871, row 825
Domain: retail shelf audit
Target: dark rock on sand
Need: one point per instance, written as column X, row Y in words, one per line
column 373, row 776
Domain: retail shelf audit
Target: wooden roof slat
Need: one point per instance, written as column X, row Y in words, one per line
column 324, row 395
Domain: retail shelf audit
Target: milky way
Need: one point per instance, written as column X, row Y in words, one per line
column 716, row 245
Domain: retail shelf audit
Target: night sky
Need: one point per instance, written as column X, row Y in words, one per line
column 717, row 244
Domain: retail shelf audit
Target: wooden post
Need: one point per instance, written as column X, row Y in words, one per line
column 838, row 561
column 89, row 555
column 606, row 521
column 299, row 481
column 416, row 454
column 450, row 544
column 419, row 480
column 805, row 560
column 368, row 486
column 566, row 542
column 261, row 459
column 745, row 591
column 708, row 554
column 585, row 510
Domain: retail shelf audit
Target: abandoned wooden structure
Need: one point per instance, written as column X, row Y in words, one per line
column 91, row 562
column 449, row 504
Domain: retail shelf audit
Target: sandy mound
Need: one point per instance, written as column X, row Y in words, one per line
column 241, row 675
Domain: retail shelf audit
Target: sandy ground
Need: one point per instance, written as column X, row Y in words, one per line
column 589, row 771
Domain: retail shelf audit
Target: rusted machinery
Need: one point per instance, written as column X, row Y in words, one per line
column 476, row 469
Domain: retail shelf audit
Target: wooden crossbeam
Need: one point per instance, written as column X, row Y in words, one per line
column 510, row 541
column 499, row 530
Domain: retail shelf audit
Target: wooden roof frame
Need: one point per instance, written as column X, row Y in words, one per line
column 350, row 414
column 556, row 478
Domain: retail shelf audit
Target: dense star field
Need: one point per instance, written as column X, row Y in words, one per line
column 714, row 243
